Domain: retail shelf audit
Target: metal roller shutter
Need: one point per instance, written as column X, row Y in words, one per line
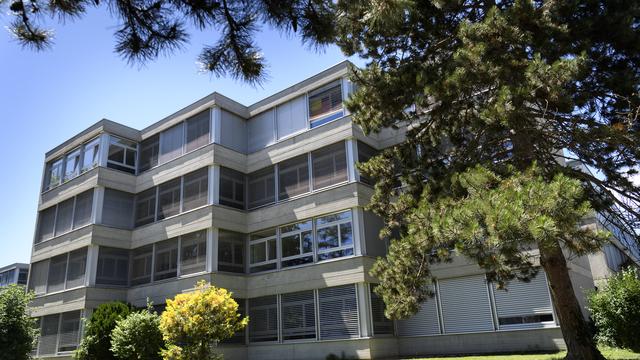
column 338, row 312
column 298, row 316
column 263, row 319
column 48, row 335
column 525, row 301
column 465, row 304
column 424, row 322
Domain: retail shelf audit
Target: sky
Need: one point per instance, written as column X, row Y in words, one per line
column 48, row 97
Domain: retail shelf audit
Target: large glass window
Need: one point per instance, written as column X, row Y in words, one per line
column 117, row 209
column 196, row 185
column 76, row 268
column 262, row 248
column 365, row 152
column 145, row 207
column 141, row 265
column 230, row 251
column 38, row 278
column 325, row 104
column 166, row 261
column 54, row 174
column 91, row 154
column 334, row 235
column 263, row 312
column 298, row 316
column 171, row 141
column 72, row 165
column 46, row 223
column 64, row 217
column 293, row 177
column 198, row 130
column 149, row 153
column 232, row 188
column 83, row 209
column 122, row 154
column 169, row 199
column 338, row 312
column 193, row 252
column 297, row 244
column 329, row 165
column 69, row 331
column 113, row 266
column 57, row 273
column 262, row 187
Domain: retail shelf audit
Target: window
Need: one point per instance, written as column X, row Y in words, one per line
column 141, row 265
column 122, row 154
column 325, row 104
column 7, row 277
column 262, row 187
column 76, row 268
column 47, row 344
column 91, row 155
column 64, row 217
column 72, row 165
column 381, row 325
column 334, row 235
column 38, row 279
column 297, row 244
column 262, row 249
column 171, row 141
column 195, row 192
column 57, row 273
column 113, row 266
column 117, row 209
column 230, row 251
column 149, row 152
column 338, row 312
column 166, row 260
column 293, row 177
column 263, row 312
column 329, row 165
column 198, row 131
column 524, row 305
column 46, row 224
column 69, row 331
column 22, row 276
column 365, row 152
column 193, row 252
column 169, row 199
column 298, row 316
column 231, row 188
column 54, row 174
column 146, row 207
column 83, row 209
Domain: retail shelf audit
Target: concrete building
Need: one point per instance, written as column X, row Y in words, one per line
column 14, row 274
column 266, row 201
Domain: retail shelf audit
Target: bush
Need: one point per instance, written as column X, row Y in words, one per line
column 616, row 310
column 96, row 343
column 194, row 323
column 138, row 336
column 17, row 329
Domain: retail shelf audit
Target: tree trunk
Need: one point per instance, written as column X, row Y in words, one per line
column 575, row 331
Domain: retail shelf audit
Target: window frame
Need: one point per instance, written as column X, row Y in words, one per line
column 264, row 242
column 338, row 223
column 332, row 114
column 120, row 142
column 299, row 233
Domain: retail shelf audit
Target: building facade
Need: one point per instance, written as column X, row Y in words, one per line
column 266, row 201
column 14, row 274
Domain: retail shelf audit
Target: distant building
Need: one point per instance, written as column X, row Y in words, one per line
column 14, row 274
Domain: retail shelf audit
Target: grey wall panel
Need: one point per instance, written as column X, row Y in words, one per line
column 233, row 132
column 524, row 298
column 291, row 117
column 261, row 131
column 372, row 226
column 465, row 304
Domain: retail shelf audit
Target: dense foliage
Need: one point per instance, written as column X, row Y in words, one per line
column 138, row 336
column 194, row 323
column 96, row 343
column 616, row 310
column 18, row 330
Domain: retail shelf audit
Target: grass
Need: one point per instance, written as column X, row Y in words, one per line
column 609, row 353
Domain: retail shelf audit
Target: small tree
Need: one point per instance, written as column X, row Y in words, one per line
column 138, row 336
column 616, row 310
column 96, row 343
column 193, row 324
column 17, row 329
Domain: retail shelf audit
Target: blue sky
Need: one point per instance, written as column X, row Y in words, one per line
column 47, row 97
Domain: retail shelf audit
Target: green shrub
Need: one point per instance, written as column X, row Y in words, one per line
column 96, row 343
column 138, row 336
column 616, row 310
column 17, row 329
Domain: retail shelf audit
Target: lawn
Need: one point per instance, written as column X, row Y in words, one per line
column 609, row 353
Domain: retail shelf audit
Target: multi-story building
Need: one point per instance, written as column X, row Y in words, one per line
column 266, row 201
column 14, row 274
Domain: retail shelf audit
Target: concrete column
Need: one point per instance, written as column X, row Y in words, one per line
column 104, row 150
column 352, row 159
column 96, row 207
column 212, row 250
column 214, row 184
column 359, row 240
column 91, row 267
column 347, row 88
column 364, row 310
column 216, row 117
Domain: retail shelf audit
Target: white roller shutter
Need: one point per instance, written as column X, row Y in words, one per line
column 338, row 312
column 424, row 322
column 465, row 304
column 524, row 300
column 291, row 117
